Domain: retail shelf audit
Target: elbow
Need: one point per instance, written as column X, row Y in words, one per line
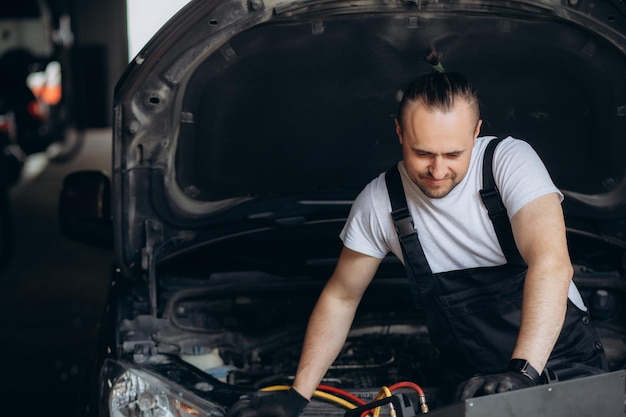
column 563, row 269
column 570, row 270
column 558, row 270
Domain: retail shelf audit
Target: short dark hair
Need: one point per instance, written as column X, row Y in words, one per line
column 438, row 90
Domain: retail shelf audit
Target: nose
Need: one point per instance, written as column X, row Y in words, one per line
column 438, row 168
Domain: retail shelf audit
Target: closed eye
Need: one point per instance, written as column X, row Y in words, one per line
column 449, row 155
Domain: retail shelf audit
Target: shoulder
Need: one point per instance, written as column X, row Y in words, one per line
column 368, row 225
column 376, row 186
column 513, row 148
column 517, row 157
column 374, row 196
column 520, row 174
column 507, row 147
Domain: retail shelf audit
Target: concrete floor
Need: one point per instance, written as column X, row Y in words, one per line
column 52, row 295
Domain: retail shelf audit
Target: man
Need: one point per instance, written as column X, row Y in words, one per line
column 496, row 293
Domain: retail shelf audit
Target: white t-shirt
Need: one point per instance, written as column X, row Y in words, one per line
column 455, row 231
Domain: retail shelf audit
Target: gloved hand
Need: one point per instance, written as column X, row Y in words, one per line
column 493, row 384
column 276, row 404
column 519, row 374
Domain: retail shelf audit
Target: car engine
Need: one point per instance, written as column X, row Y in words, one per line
column 246, row 329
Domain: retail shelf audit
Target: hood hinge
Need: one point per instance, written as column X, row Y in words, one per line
column 154, row 240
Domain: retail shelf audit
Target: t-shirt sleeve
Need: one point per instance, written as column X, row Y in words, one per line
column 362, row 231
column 521, row 175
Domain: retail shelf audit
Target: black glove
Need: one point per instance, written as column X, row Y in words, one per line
column 493, row 384
column 276, row 404
column 519, row 375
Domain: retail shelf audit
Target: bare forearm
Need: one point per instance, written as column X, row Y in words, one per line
column 326, row 333
column 543, row 312
column 332, row 317
column 539, row 231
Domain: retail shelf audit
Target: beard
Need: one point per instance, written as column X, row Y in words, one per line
column 424, row 183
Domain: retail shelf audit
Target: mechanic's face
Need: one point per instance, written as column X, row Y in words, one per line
column 437, row 145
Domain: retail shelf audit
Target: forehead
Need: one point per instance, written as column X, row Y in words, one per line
column 439, row 131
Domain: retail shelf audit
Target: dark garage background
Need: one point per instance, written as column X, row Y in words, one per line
column 52, row 294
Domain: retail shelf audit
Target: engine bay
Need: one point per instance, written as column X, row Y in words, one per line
column 246, row 329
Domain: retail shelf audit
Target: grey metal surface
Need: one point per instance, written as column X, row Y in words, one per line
column 594, row 396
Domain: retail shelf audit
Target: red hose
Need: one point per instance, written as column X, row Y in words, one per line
column 341, row 392
column 406, row 384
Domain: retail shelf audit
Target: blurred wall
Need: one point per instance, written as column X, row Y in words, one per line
column 97, row 57
column 100, row 54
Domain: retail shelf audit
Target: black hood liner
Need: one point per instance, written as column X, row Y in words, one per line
column 287, row 108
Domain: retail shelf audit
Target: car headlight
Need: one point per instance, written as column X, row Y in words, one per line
column 130, row 391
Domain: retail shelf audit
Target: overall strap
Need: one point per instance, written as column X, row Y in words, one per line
column 495, row 207
column 414, row 258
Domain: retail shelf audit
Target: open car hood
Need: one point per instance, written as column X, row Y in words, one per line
column 247, row 114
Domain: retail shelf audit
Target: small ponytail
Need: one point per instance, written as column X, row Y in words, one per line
column 434, row 58
column 437, row 89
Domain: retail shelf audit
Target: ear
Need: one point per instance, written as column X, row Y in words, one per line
column 477, row 130
column 398, row 129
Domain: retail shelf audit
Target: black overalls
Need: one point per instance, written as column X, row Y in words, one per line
column 473, row 315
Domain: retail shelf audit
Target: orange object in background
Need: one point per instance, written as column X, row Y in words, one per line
column 46, row 85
